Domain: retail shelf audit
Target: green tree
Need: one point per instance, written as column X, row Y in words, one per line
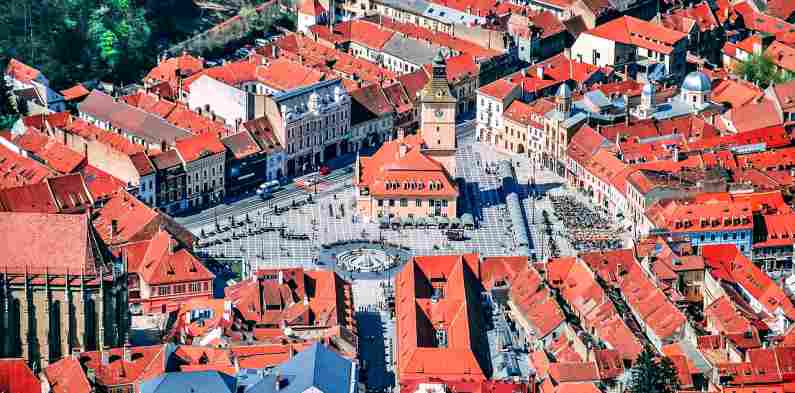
column 8, row 106
column 761, row 70
column 653, row 374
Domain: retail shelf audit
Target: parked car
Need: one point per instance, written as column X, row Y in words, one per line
column 324, row 170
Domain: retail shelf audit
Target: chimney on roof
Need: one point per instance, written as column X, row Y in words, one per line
column 127, row 354
column 113, row 228
column 540, row 72
column 103, row 356
column 403, row 149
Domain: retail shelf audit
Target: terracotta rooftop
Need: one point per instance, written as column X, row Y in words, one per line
column 21, row 71
column 633, row 31
column 67, row 376
column 391, row 172
column 499, row 89
column 75, row 92
column 162, row 261
column 199, row 146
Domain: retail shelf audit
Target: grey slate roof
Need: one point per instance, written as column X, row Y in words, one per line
column 190, row 382
column 412, row 50
column 130, row 119
column 317, row 366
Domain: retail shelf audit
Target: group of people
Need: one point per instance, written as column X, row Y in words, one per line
column 586, row 229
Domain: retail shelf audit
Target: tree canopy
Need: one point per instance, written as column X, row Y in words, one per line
column 760, row 69
column 653, row 374
column 72, row 41
column 8, row 106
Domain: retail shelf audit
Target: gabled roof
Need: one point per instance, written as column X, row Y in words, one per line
column 67, row 376
column 144, row 362
column 499, row 89
column 633, row 31
column 190, row 382
column 171, row 69
column 387, row 172
column 130, row 119
column 199, row 146
column 164, row 262
column 241, row 145
column 56, row 242
column 75, row 92
column 317, row 367
column 21, row 71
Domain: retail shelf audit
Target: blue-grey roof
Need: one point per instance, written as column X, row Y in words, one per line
column 598, row 99
column 697, row 81
column 190, row 382
column 433, row 11
column 412, row 50
column 297, row 92
column 317, row 366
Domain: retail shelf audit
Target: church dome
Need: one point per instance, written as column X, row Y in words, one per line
column 697, row 81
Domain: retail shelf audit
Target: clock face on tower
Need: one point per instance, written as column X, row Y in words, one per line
column 439, row 113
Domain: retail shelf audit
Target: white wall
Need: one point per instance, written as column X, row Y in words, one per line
column 226, row 101
column 584, row 46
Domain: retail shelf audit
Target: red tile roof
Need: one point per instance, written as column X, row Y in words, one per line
column 523, row 114
column 21, row 71
column 536, row 304
column 42, row 234
column 67, row 376
column 145, row 362
column 164, row 262
column 418, row 316
column 574, row 372
column 55, row 154
column 649, row 303
column 577, row 284
column 171, row 69
column 730, row 264
column 735, row 92
column 132, row 217
column 100, row 184
column 75, row 92
column 633, row 31
column 782, row 9
column 499, row 89
column 562, row 68
column 16, row 170
column 782, row 55
column 16, row 377
column 760, row 22
column 281, row 74
column 726, row 318
column 388, row 173
column 200, row 146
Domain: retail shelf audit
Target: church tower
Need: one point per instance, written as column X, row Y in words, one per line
column 437, row 117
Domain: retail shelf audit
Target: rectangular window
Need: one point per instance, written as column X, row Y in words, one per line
column 380, row 202
column 404, row 202
column 419, row 202
column 391, row 202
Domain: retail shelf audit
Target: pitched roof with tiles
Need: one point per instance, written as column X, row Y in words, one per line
column 562, row 68
column 199, row 146
column 536, row 303
column 144, row 362
column 43, row 234
column 16, row 377
column 101, row 184
column 171, row 69
column 130, row 119
column 499, row 89
column 760, row 22
column 21, row 71
column 523, row 113
column 88, row 131
column 54, row 153
column 730, row 263
column 438, row 38
column 650, row 304
column 75, row 92
column 164, row 262
column 391, row 172
column 782, row 55
column 420, row 314
column 131, row 216
column 241, row 145
column 16, row 170
column 633, row 31
column 735, row 92
column 311, row 8
column 67, row 376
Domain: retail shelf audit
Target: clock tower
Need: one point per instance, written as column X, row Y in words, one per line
column 437, row 117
